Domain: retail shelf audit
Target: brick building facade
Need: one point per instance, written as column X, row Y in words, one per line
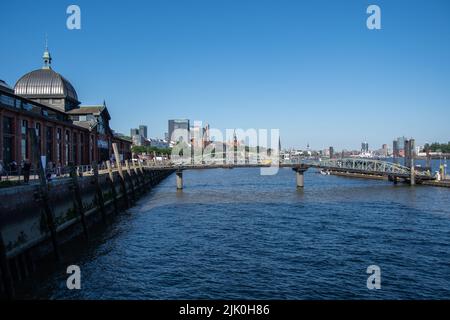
column 67, row 132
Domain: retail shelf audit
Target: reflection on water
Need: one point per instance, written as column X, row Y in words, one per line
column 235, row 234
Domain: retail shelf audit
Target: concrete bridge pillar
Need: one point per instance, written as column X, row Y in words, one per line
column 179, row 174
column 300, row 178
column 394, row 179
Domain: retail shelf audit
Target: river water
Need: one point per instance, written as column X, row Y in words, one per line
column 234, row 234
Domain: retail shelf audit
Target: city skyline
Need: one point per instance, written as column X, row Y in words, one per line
column 366, row 147
column 315, row 71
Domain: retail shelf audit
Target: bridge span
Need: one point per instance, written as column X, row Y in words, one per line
column 393, row 171
column 369, row 167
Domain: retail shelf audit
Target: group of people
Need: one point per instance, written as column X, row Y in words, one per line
column 13, row 169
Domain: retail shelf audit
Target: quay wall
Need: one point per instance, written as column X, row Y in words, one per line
column 432, row 183
column 25, row 232
column 444, row 184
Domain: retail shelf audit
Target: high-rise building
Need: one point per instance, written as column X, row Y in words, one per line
column 331, row 152
column 395, row 148
column 138, row 140
column 197, row 134
column 398, row 147
column 136, row 137
column 139, row 136
column 385, row 150
column 410, row 146
column 134, row 132
column 364, row 147
column 143, row 131
column 179, row 130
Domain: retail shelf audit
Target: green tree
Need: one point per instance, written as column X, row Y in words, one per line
column 440, row 147
column 150, row 150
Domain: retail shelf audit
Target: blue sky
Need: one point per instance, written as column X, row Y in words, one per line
column 310, row 68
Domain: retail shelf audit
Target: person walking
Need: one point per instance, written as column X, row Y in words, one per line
column 13, row 167
column 58, row 169
column 26, row 169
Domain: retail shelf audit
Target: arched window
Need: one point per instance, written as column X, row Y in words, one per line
column 67, row 148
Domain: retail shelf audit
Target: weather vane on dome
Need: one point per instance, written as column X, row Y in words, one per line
column 47, row 57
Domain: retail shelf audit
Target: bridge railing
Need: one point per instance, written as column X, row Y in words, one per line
column 367, row 165
column 223, row 158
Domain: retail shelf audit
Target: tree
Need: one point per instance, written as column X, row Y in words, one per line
column 150, row 150
column 440, row 147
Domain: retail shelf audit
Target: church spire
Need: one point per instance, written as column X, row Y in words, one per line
column 47, row 57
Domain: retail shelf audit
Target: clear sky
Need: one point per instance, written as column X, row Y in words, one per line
column 310, row 68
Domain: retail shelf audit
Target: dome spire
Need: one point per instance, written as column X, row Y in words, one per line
column 47, row 57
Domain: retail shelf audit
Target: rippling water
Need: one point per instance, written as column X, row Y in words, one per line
column 233, row 234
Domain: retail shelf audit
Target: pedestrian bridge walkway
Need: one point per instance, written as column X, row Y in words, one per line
column 364, row 167
column 370, row 166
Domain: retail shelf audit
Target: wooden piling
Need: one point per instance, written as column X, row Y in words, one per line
column 77, row 201
column 141, row 175
column 130, row 180
column 100, row 201
column 113, row 187
column 144, row 174
column 43, row 192
column 23, row 263
column 121, row 176
column 20, row 274
column 152, row 178
column 139, row 181
column 110, row 172
column 5, row 271
column 30, row 261
column 140, row 167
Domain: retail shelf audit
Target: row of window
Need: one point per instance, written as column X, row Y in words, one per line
column 11, row 102
column 78, row 140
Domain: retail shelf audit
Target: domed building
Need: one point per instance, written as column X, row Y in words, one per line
column 67, row 133
column 48, row 87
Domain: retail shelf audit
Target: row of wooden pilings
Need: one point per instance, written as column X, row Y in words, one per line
column 134, row 181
